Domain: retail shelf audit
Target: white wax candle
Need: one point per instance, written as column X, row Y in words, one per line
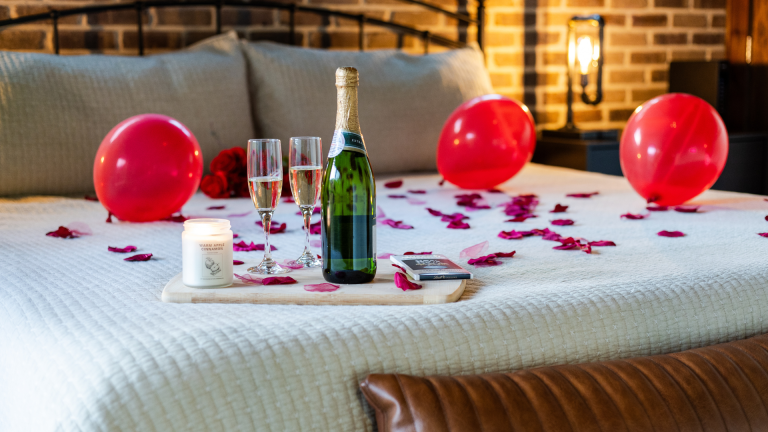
column 206, row 250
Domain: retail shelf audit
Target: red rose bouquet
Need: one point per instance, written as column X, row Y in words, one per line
column 229, row 175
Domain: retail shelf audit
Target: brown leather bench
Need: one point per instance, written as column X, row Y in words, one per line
column 718, row 388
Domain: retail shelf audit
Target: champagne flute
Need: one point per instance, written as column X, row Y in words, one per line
column 306, row 168
column 265, row 180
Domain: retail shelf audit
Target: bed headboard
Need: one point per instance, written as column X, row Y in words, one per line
column 463, row 19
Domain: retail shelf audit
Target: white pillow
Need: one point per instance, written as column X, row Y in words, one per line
column 55, row 110
column 404, row 100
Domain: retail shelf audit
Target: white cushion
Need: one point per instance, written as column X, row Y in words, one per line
column 55, row 110
column 404, row 100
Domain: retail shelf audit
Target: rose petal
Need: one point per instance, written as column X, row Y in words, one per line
column 62, row 232
column 278, row 280
column 418, row 253
column 684, row 209
column 434, row 212
column 484, row 261
column 235, row 235
column 91, row 198
column 394, row 184
column 414, row 201
column 458, row 225
column 505, row 254
column 670, row 234
column 600, row 243
column 385, row 255
column 418, row 191
column 220, row 207
column 243, row 247
column 494, row 191
column 441, row 182
column 397, row 196
column 632, row 216
column 126, row 249
column 249, row 279
column 511, row 235
column 562, row 222
column 586, row 248
column 559, row 209
column 315, row 243
column 292, row 264
column 474, row 251
column 657, row 208
column 521, row 218
column 380, row 213
column 240, row 214
column 395, row 224
column 402, row 282
column 315, row 211
column 403, row 270
column 80, row 228
column 316, row 228
column 274, row 227
column 178, row 218
column 453, row 217
column 139, row 257
column 763, row 234
column 321, row 287
column 237, row 262
column 568, row 246
column 582, row 195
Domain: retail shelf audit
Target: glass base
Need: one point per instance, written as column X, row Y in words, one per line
column 309, row 260
column 268, row 266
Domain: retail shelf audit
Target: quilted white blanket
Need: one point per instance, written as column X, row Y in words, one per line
column 87, row 345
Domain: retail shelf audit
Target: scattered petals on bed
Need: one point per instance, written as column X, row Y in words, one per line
column 402, row 269
column 278, row 280
column 418, row 253
column 559, row 209
column 687, row 209
column 321, row 287
column 496, row 191
column 126, row 249
column 763, row 234
column 457, row 224
column 521, row 218
column 274, row 228
column 417, row 191
column 670, row 234
column 511, row 235
column 62, row 232
column 632, row 216
column 475, row 250
column 402, row 282
column 139, row 257
column 394, row 184
column 316, row 228
column 491, row 260
column 249, row 279
column 473, row 201
column 562, row 222
column 243, row 247
column 657, row 208
column 601, row 243
column 219, row 207
column 80, row 228
column 394, row 196
column 582, row 195
column 237, row 262
column 396, row 224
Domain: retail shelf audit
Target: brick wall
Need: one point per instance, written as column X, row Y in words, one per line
column 525, row 41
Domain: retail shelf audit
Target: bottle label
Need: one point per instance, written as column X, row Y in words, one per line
column 343, row 140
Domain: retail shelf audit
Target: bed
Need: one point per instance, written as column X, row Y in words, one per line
column 88, row 345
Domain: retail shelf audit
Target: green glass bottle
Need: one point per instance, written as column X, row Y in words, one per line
column 348, row 194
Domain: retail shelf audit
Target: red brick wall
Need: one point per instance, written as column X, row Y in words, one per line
column 525, row 41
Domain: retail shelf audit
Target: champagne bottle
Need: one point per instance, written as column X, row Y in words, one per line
column 348, row 194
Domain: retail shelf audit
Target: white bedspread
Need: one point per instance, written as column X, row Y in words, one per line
column 87, row 345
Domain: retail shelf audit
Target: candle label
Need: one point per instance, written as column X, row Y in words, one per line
column 212, row 257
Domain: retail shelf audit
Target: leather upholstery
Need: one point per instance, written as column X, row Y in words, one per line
column 718, row 388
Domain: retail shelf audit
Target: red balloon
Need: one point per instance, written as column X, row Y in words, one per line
column 147, row 168
column 673, row 148
column 485, row 142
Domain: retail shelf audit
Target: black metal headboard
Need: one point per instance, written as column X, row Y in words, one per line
column 463, row 19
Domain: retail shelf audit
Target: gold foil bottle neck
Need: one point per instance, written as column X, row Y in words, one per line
column 346, row 76
column 346, row 100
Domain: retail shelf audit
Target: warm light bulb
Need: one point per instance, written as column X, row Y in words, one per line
column 584, row 53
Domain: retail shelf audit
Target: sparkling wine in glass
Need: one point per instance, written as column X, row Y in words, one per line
column 265, row 180
column 305, row 172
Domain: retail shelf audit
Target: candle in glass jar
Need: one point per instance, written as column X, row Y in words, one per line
column 206, row 250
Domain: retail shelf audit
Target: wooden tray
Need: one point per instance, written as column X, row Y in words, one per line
column 381, row 291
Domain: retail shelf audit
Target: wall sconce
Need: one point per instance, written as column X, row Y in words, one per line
column 585, row 58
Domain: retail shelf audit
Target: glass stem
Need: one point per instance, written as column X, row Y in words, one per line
column 307, row 213
column 266, row 221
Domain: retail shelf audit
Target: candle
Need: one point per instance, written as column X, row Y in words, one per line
column 206, row 250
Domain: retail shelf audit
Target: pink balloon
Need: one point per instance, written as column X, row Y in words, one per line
column 673, row 148
column 147, row 168
column 485, row 142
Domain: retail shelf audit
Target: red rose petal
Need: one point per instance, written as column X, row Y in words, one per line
column 62, row 232
column 568, row 246
column 601, row 243
column 632, row 216
column 453, row 217
column 684, row 209
column 505, row 254
column 243, row 247
column 397, row 196
column 316, row 228
column 458, row 225
column 551, row 236
column 403, row 270
column 559, row 209
column 511, row 235
column 249, row 279
column 670, row 234
column 562, row 222
column 126, row 249
column 484, row 261
column 237, row 262
column 321, row 287
column 220, row 207
column 494, row 191
column 402, row 282
column 763, row 234
column 139, row 257
column 278, row 280
column 395, row 224
column 434, row 212
column 418, row 253
column 418, row 191
column 657, row 208
column 235, row 235
column 582, row 195
column 521, row 218
column 394, row 184
column 274, row 228
column 474, row 251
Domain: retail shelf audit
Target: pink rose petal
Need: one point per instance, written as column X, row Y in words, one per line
column 568, row 246
column 582, row 195
column 62, row 232
column 414, row 201
column 418, row 253
column 474, row 251
column 315, row 243
column 458, row 225
column 457, row 217
column 418, row 191
column 394, row 184
column 763, row 234
column 380, row 213
column 237, row 262
column 139, row 257
column 395, row 224
column 484, row 261
column 243, row 247
column 521, row 218
column 434, row 212
column 321, row 287
column 291, row 264
column 402, row 269
column 235, row 235
column 126, row 249
column 240, row 214
column 316, row 228
column 249, row 279
column 601, row 243
column 278, row 280
column 562, row 222
column 657, row 208
column 219, row 207
column 505, row 254
column 385, row 255
column 402, row 282
column 670, row 234
column 632, row 216
column 511, row 235
column 551, row 236
column 80, row 228
column 559, row 209
column 274, row 228
column 397, row 196
column 686, row 209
